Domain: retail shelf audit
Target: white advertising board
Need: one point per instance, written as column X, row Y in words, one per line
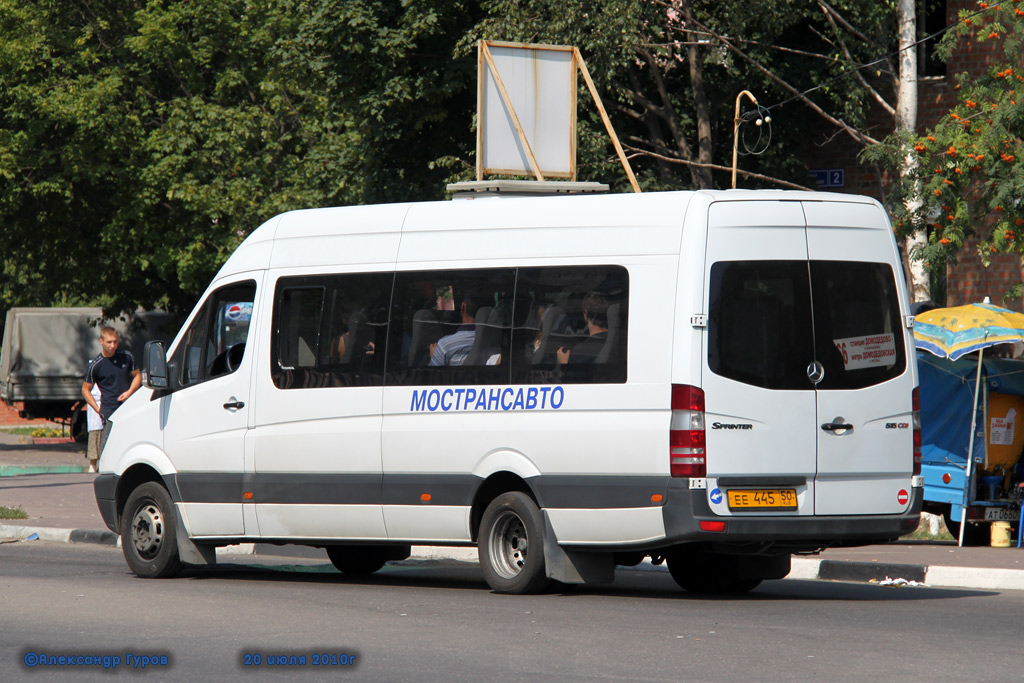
column 540, row 81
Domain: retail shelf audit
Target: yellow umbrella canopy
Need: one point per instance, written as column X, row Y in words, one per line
column 959, row 330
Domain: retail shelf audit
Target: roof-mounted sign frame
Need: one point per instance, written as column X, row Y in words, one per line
column 526, row 106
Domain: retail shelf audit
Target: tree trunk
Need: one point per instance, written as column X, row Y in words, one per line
column 700, row 101
column 906, row 122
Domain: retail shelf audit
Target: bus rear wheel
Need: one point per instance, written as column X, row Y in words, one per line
column 511, row 545
column 363, row 560
column 699, row 572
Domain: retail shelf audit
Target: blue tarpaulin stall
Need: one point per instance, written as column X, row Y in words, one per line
column 947, row 399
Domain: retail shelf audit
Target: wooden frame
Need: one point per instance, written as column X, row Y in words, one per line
column 486, row 67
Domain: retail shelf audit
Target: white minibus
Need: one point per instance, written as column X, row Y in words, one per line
column 716, row 380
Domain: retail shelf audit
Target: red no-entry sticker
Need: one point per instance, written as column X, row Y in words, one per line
column 902, row 497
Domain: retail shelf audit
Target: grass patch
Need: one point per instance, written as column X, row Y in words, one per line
column 19, row 431
column 33, row 431
column 12, row 513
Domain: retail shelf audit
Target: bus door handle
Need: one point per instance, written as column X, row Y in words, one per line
column 233, row 405
column 837, row 426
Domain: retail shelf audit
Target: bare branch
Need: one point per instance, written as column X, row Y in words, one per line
column 636, row 92
column 790, row 50
column 629, row 112
column 857, row 135
column 821, row 35
column 829, row 12
column 856, row 73
column 636, row 152
column 665, row 111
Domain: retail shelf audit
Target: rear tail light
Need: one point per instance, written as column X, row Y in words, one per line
column 916, row 401
column 686, row 436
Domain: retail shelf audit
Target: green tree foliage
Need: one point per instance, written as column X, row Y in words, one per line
column 140, row 142
column 972, row 161
column 655, row 61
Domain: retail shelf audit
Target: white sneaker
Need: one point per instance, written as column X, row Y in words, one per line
column 92, row 468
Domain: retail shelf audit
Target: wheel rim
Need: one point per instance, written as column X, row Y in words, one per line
column 509, row 545
column 148, row 531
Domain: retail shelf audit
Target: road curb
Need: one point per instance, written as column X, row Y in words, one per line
column 91, row 536
column 971, row 577
column 981, row 578
column 44, row 533
column 838, row 570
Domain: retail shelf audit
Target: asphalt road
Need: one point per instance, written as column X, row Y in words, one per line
column 439, row 622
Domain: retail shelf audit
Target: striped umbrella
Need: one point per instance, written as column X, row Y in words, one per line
column 957, row 331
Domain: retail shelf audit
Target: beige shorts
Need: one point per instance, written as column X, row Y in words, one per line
column 93, row 451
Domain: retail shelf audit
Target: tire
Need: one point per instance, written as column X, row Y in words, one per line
column 149, row 532
column 698, row 572
column 974, row 534
column 511, row 545
column 361, row 560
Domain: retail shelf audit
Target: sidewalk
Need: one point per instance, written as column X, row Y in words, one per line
column 19, row 455
column 58, row 497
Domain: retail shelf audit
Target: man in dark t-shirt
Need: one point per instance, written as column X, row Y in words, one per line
column 595, row 314
column 114, row 372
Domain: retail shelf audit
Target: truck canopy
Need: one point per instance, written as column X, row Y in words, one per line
column 46, row 350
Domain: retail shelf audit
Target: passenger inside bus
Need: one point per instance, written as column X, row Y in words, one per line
column 452, row 349
column 595, row 315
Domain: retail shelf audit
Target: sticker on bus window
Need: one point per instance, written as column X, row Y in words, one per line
column 238, row 312
column 867, row 352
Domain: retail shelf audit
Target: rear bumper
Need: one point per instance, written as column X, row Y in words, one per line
column 684, row 510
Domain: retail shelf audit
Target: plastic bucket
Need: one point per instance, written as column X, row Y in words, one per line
column 1000, row 535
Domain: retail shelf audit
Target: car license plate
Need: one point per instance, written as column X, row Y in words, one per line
column 762, row 499
column 1002, row 514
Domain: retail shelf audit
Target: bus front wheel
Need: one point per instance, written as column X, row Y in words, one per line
column 148, row 532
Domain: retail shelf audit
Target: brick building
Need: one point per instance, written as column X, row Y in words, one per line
column 969, row 280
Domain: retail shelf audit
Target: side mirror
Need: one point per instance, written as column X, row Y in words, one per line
column 154, row 365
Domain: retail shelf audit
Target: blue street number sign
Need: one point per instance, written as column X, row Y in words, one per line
column 828, row 177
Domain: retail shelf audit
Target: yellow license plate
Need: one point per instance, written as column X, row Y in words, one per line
column 762, row 499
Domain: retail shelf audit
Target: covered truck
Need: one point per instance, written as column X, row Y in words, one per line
column 992, row 491
column 46, row 351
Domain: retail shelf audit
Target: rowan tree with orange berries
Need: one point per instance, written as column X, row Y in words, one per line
column 971, row 170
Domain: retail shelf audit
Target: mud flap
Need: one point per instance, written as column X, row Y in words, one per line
column 569, row 566
column 189, row 552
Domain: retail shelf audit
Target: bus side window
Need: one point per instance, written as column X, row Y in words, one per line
column 215, row 342
column 571, row 325
column 451, row 327
column 328, row 330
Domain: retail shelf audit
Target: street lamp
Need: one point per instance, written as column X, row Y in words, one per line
column 736, row 127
